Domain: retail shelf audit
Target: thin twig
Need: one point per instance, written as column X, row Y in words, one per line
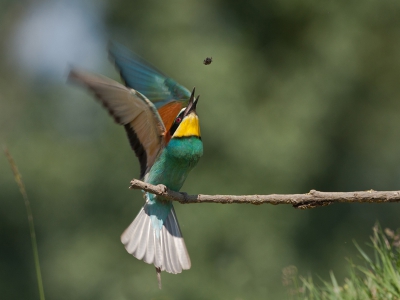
column 18, row 179
column 302, row 201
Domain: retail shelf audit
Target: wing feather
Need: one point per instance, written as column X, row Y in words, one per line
column 142, row 76
column 130, row 108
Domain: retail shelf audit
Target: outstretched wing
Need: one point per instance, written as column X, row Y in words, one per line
column 168, row 96
column 130, row 108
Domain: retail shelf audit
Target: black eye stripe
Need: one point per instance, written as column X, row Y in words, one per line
column 177, row 121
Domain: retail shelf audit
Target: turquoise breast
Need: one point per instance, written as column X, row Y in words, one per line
column 171, row 169
column 175, row 162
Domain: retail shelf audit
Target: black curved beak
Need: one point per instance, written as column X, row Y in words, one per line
column 192, row 104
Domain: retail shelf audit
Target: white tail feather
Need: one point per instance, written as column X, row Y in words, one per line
column 166, row 251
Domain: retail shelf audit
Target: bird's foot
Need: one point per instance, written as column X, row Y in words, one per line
column 185, row 196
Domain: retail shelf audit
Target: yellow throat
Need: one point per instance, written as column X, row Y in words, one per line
column 190, row 126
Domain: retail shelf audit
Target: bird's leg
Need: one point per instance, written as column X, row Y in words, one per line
column 158, row 270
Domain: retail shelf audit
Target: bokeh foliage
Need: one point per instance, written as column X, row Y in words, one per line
column 378, row 277
column 300, row 95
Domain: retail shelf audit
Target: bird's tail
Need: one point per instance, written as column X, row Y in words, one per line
column 165, row 248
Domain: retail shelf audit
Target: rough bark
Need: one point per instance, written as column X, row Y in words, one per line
column 302, row 201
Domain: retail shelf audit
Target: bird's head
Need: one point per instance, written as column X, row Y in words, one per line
column 187, row 124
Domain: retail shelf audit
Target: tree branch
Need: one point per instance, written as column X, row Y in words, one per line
column 302, row 201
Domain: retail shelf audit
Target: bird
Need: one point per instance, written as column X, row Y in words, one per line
column 167, row 151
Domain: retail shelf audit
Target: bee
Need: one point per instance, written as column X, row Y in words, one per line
column 207, row 61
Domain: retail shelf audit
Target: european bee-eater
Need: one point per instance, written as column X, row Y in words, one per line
column 167, row 151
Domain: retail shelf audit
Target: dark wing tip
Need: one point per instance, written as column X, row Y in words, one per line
column 138, row 148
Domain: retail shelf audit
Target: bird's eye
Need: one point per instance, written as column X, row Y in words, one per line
column 178, row 120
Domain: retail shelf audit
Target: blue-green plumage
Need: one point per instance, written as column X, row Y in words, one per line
column 175, row 161
column 145, row 78
column 171, row 169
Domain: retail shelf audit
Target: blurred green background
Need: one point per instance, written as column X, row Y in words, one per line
column 300, row 95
